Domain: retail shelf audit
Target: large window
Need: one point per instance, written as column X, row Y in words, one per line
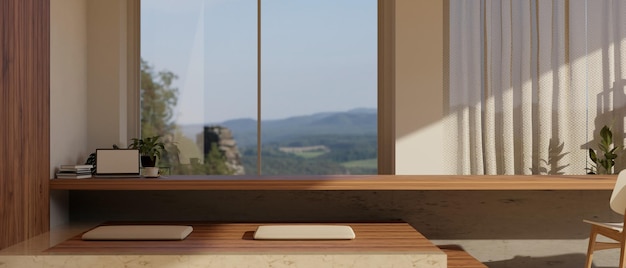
column 308, row 73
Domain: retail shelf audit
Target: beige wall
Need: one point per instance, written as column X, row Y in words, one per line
column 68, row 93
column 107, row 73
column 87, row 84
column 419, row 87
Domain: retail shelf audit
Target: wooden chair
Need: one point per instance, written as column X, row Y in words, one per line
column 608, row 229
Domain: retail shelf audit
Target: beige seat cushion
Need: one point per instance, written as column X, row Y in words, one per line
column 138, row 232
column 303, row 232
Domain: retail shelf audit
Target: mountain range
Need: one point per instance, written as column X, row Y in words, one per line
column 352, row 122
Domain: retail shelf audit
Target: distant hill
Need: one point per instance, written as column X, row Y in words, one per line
column 356, row 121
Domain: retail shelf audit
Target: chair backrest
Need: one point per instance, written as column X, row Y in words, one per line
column 618, row 197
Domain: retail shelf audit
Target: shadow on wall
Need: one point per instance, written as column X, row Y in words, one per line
column 558, row 261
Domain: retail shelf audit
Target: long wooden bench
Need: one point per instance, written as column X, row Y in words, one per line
column 232, row 245
column 459, row 258
column 396, row 237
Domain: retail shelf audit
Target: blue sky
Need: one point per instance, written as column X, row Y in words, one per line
column 317, row 56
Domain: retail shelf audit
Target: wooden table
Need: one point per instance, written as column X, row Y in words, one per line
column 232, row 245
column 238, row 238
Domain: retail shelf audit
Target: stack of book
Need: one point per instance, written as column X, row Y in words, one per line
column 74, row 172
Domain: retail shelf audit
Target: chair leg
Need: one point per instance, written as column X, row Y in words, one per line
column 590, row 247
column 622, row 256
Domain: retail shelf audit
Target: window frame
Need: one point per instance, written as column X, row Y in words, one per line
column 386, row 81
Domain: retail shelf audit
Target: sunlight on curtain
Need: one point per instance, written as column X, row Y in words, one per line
column 531, row 82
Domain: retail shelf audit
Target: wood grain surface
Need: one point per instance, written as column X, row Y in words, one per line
column 208, row 238
column 24, row 119
column 345, row 182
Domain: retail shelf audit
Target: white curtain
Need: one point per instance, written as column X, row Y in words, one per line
column 531, row 82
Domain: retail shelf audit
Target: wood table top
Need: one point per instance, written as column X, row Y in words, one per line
column 345, row 182
column 237, row 238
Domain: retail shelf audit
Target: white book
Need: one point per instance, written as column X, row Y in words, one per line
column 72, row 176
column 74, row 170
column 76, row 166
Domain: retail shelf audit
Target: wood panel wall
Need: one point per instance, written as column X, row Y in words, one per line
column 24, row 119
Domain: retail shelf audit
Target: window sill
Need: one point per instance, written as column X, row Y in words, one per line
column 345, row 182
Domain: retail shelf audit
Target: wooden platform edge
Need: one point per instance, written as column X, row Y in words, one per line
column 459, row 258
column 346, row 182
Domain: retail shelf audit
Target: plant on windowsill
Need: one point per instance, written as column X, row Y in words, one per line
column 150, row 150
column 604, row 163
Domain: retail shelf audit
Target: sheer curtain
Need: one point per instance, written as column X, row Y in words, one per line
column 531, row 82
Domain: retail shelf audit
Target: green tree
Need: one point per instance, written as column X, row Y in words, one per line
column 158, row 100
column 215, row 162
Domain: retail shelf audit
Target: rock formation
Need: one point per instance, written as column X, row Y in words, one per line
column 227, row 145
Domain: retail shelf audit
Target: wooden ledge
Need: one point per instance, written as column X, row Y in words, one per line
column 345, row 182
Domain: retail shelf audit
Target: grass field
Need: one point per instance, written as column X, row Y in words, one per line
column 367, row 163
column 310, row 154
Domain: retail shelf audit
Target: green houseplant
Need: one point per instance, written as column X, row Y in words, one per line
column 150, row 149
column 604, row 159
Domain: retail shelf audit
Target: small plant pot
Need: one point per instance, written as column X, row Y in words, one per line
column 151, row 172
column 146, row 161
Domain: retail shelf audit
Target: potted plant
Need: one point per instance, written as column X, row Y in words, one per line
column 604, row 159
column 150, row 150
